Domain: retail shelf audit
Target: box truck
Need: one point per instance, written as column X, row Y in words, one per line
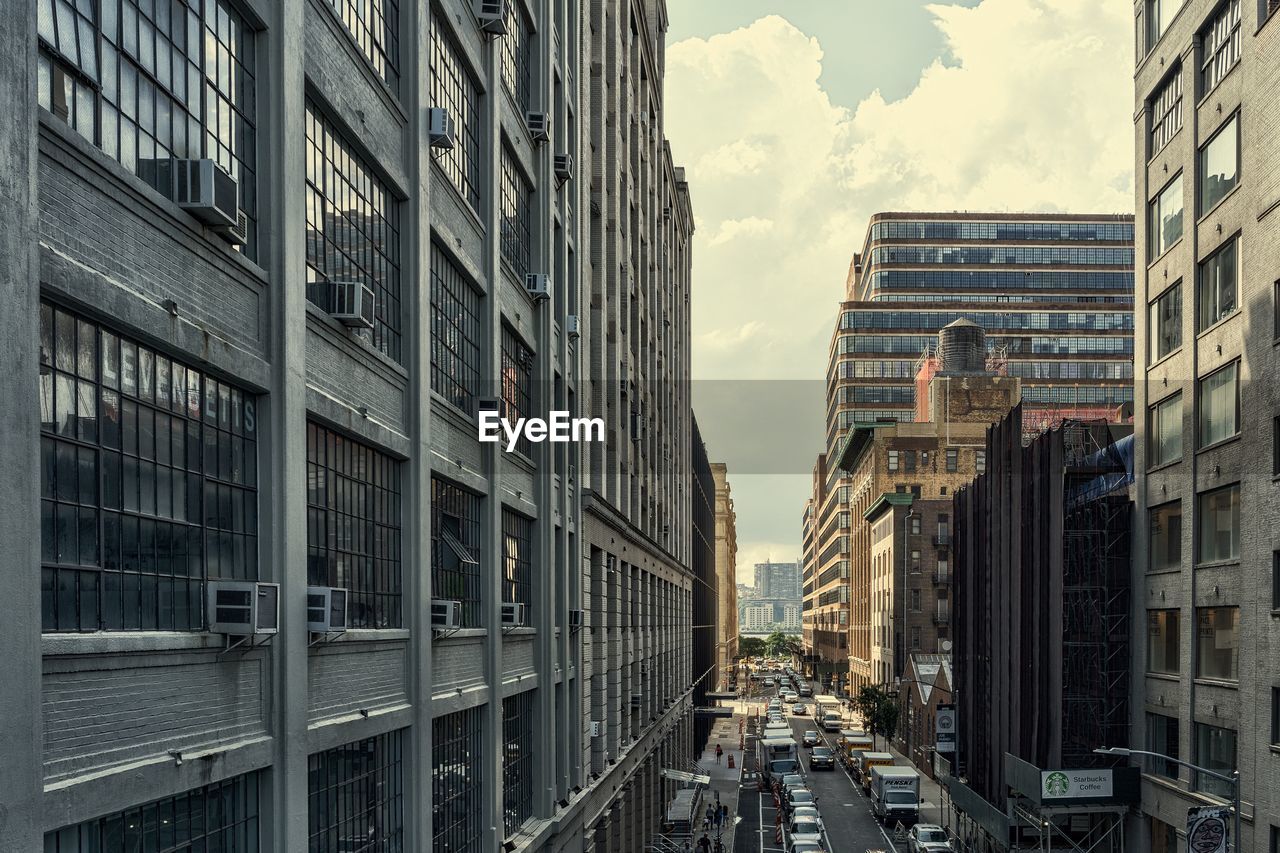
column 895, row 794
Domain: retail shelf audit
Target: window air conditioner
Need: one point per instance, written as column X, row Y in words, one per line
column 538, row 285
column 572, row 327
column 539, row 126
column 575, row 619
column 513, row 615
column 243, row 608
column 440, row 129
column 236, row 235
column 597, row 728
column 492, row 16
column 348, row 302
column 201, row 187
column 563, row 167
column 446, row 615
column 488, row 404
column 326, row 609
column 637, row 699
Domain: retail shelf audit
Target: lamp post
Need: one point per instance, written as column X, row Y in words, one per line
column 1233, row 779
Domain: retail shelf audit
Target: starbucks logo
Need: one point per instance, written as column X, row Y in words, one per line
column 1057, row 784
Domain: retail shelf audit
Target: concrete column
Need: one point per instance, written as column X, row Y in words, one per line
column 20, row 665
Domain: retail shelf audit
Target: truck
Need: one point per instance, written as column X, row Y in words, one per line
column 777, row 756
column 895, row 794
column 868, row 762
column 823, row 705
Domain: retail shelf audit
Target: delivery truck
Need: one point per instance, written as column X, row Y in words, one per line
column 895, row 795
column 866, row 763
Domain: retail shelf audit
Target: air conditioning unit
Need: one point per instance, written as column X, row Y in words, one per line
column 666, row 213
column 513, row 615
column 562, row 165
column 572, row 327
column 538, row 285
column 348, row 302
column 243, row 608
column 575, row 619
column 440, row 129
column 201, row 187
column 637, row 426
column 238, row 234
column 637, row 699
column 446, row 615
column 492, row 16
column 597, row 728
column 539, row 126
column 326, row 609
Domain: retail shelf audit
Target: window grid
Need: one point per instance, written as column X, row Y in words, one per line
column 1166, row 111
column 1073, row 255
column 517, row 559
column 374, row 26
column 1003, row 231
column 1218, row 286
column 222, row 816
column 455, row 515
column 1215, row 749
column 147, row 80
column 517, row 761
column 517, row 381
column 353, row 526
column 1219, row 405
column 1221, row 42
column 516, row 199
column 355, row 796
column 457, row 774
column 454, row 89
column 455, row 332
column 991, row 285
column 517, row 52
column 148, row 482
column 353, row 226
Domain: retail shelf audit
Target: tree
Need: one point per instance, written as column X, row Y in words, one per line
column 879, row 711
column 751, row 647
column 780, row 645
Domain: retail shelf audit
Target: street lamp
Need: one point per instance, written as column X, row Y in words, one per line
column 1233, row 779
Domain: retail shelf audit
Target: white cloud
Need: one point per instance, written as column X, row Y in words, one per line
column 732, row 229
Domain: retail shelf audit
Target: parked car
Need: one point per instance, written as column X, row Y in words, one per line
column 822, row 758
column 801, row 797
column 810, row 812
column 812, row 738
column 792, row 780
column 806, row 847
column 928, row 838
column 804, row 829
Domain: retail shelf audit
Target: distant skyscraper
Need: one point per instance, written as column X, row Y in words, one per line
column 778, row 580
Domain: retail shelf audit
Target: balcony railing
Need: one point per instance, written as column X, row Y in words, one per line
column 942, row 540
column 941, row 577
column 942, row 616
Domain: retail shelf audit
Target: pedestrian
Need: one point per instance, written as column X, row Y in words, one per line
column 704, row 843
column 724, row 813
column 719, row 752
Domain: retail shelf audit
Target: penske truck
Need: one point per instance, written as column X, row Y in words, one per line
column 895, row 794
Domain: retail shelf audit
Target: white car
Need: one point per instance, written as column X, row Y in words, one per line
column 928, row 838
column 801, row 797
column 804, row 829
column 807, row 813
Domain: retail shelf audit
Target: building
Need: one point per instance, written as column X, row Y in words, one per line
column 1041, row 648
column 1206, row 573
column 255, row 390
column 778, row 580
column 704, row 624
column 726, row 578
column 902, row 477
column 926, row 686
column 759, row 617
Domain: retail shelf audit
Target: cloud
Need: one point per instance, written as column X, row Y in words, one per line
column 732, row 229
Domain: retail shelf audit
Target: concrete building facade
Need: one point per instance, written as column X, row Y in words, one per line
column 1206, row 576
column 209, row 410
column 726, row 577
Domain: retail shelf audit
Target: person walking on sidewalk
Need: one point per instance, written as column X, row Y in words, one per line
column 704, row 843
column 719, row 752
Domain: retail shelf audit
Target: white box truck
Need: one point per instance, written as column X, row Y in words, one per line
column 895, row 795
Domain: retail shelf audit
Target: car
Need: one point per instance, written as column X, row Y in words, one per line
column 799, row 708
column 810, row 812
column 792, row 780
column 804, row 829
column 806, row 847
column 801, row 797
column 811, row 738
column 822, row 758
column 928, row 838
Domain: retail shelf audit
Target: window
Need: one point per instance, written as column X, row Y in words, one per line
column 353, row 228
column 355, row 797
column 953, row 461
column 1215, row 750
column 223, row 816
column 1219, row 278
column 1275, row 310
column 353, row 526
column 148, row 482
column 915, row 638
column 909, row 461
column 1160, row 13
column 1220, row 165
column 893, row 460
column 455, row 332
column 149, row 81
column 516, row 199
column 1219, row 405
column 980, row 461
column 915, row 525
column 1165, row 219
column 1218, row 642
column 1164, row 838
column 1275, row 714
column 454, row 89
column 1219, row 512
column 455, row 549
column 1165, row 539
column 1164, row 441
column 1275, row 447
column 915, row 560
column 375, row 27
column 1162, row 737
column 517, row 382
column 517, row 50
column 517, row 559
column 1275, row 580
column 1164, row 332
column 1166, row 112
column 915, row 600
column 517, row 761
column 457, row 773
column 1220, row 45
column 1163, row 638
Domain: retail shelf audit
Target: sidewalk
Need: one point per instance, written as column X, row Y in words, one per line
column 930, row 792
column 725, row 780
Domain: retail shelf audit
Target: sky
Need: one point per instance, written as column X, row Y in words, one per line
column 798, row 119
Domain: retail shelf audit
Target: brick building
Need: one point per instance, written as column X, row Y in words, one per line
column 726, row 577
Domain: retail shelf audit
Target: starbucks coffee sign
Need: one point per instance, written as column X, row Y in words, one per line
column 1075, row 784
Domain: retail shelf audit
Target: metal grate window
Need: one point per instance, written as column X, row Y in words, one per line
column 455, row 549
column 148, row 482
column 1220, row 44
column 144, row 80
column 517, row 55
column 517, row 382
column 353, row 226
column 375, row 27
column 353, row 526
column 455, row 332
column 517, row 559
column 1166, row 111
column 454, row 89
column 222, row 816
column 355, row 797
column 457, row 774
column 516, row 198
column 517, row 761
